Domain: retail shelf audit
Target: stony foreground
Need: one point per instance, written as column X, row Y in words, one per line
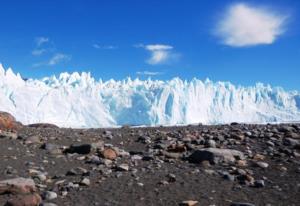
column 237, row 165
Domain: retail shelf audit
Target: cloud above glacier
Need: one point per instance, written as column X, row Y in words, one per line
column 159, row 53
column 105, row 47
column 38, row 52
column 43, row 46
column 59, row 57
column 247, row 25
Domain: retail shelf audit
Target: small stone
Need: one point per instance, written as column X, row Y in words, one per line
column 163, row 182
column 262, row 164
column 49, row 195
column 258, row 157
column 270, row 143
column 85, row 182
column 32, row 140
column 48, row 204
column 188, row 203
column 110, row 154
column 291, row 142
column 123, row 167
column 42, row 177
column 140, row 184
column 242, row 163
column 171, row 178
column 229, row 177
column 52, row 149
column 259, row 183
column 211, row 143
column 241, row 204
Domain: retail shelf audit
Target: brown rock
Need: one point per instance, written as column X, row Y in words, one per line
column 259, row 157
column 242, row 163
column 8, row 122
column 17, row 186
column 177, row 148
column 110, row 154
column 25, row 200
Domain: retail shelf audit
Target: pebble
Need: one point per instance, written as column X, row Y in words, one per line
column 49, row 195
column 262, row 164
column 85, row 182
column 123, row 167
column 241, row 204
column 259, row 183
column 188, row 203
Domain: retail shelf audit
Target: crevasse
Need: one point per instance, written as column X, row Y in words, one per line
column 77, row 100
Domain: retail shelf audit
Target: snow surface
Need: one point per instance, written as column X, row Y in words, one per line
column 77, row 100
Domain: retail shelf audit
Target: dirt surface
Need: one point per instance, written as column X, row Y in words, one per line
column 157, row 165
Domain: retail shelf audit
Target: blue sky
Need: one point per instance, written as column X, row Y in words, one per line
column 243, row 42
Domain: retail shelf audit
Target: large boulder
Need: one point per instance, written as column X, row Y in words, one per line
column 79, row 149
column 8, row 122
column 215, row 155
column 25, row 200
column 17, row 186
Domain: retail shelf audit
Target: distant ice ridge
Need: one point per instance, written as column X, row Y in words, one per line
column 77, row 100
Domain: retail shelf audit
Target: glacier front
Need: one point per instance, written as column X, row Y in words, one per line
column 77, row 100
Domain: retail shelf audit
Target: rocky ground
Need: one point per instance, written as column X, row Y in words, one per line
column 234, row 165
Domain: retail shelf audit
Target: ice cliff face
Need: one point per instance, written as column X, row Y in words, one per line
column 77, row 100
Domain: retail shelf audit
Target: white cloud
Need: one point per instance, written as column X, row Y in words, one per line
column 160, row 53
column 148, row 73
column 38, row 52
column 245, row 25
column 57, row 58
column 41, row 40
column 105, row 47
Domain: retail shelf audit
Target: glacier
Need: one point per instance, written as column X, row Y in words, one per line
column 79, row 101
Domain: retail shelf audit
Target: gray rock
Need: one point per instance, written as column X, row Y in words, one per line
column 32, row 139
column 259, row 183
column 52, row 148
column 85, row 182
column 262, row 164
column 49, row 195
column 241, row 204
column 123, row 167
column 215, row 155
column 211, row 143
column 291, row 142
column 48, row 204
column 10, row 135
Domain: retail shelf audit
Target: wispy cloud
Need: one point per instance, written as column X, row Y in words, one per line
column 41, row 40
column 160, row 53
column 43, row 45
column 148, row 73
column 38, row 52
column 59, row 57
column 248, row 25
column 40, row 47
column 104, row 47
